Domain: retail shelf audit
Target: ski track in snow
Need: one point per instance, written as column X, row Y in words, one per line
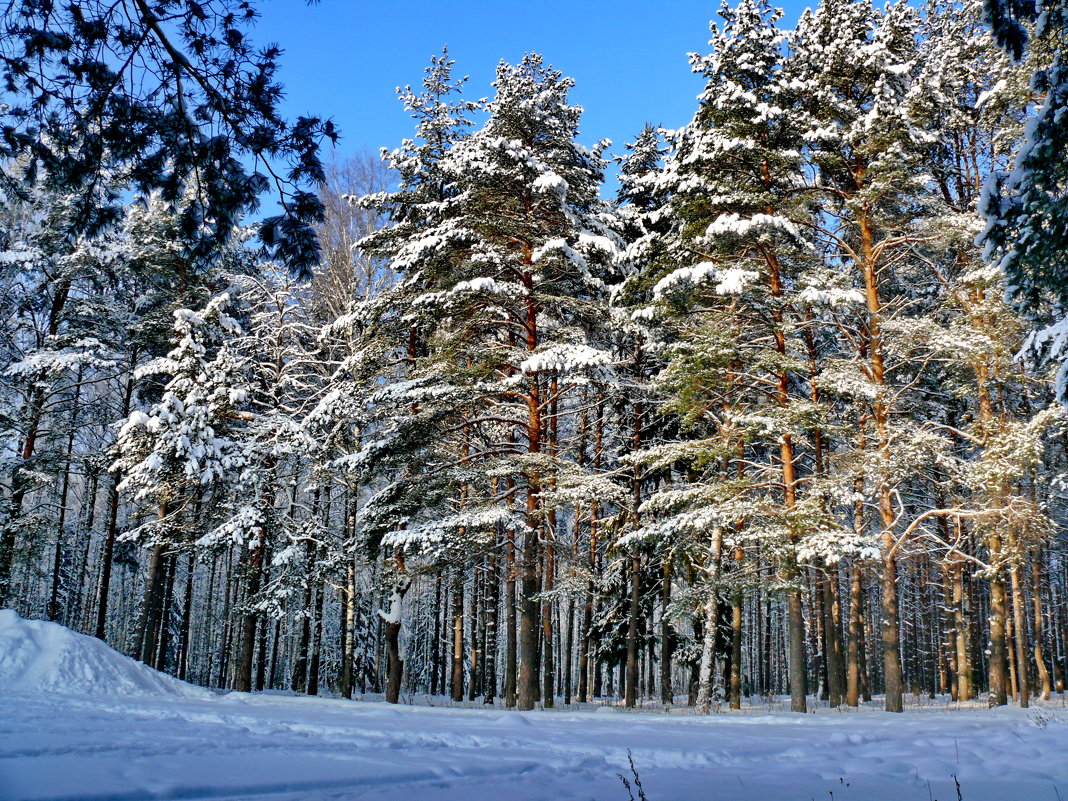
column 81, row 722
column 241, row 746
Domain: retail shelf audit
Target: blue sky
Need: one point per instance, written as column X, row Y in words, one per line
column 344, row 58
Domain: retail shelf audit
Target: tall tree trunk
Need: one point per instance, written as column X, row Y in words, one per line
column 950, row 677
column 666, row 639
column 511, row 644
column 891, row 622
column 1010, row 651
column 797, row 669
column 187, row 619
column 349, row 628
column 80, row 614
column 456, row 681
column 1019, row 619
column 528, row 688
column 163, row 635
column 272, row 676
column 815, row 630
column 263, row 629
column 548, row 693
column 736, row 651
column 474, row 616
column 998, row 679
column 108, row 555
column 61, row 524
column 250, row 617
column 489, row 673
column 831, row 639
column 315, row 657
column 585, row 691
column 567, row 661
column 144, row 644
column 706, row 677
column 1036, row 600
column 299, row 682
column 961, row 629
column 856, row 629
column 630, row 687
column 796, row 620
column 435, row 646
column 528, row 624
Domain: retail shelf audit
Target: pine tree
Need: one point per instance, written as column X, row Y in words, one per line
column 1026, row 208
column 51, row 338
column 174, row 97
column 180, row 446
column 855, row 68
column 731, row 182
column 508, row 270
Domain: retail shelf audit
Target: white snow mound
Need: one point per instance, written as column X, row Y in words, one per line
column 41, row 657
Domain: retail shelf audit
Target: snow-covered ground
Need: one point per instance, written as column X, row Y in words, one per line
column 80, row 721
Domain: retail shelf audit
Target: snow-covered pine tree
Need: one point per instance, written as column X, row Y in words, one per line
column 285, row 377
column 51, row 344
column 181, row 447
column 1003, row 421
column 153, row 278
column 509, row 269
column 637, row 221
column 853, row 69
column 733, row 182
column 1026, row 207
column 386, row 335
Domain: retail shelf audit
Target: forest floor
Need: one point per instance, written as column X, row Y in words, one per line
column 80, row 721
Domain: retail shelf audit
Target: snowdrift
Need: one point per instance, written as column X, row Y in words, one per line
column 41, row 657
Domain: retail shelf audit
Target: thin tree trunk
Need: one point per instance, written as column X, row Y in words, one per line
column 144, row 644
column 300, row 667
column 856, row 626
column 261, row 654
column 187, row 619
column 315, row 657
column 1036, row 599
column 113, row 526
column 1019, row 619
column 61, row 524
column 272, row 676
column 736, row 651
column 250, row 617
column 435, row 646
column 630, row 688
column 666, row 639
column 511, row 644
column 489, row 673
column 998, row 680
column 80, row 613
column 569, row 647
column 474, row 616
column 710, row 620
column 831, row 639
column 548, row 693
column 456, row 681
column 349, row 633
column 163, row 638
column 961, row 627
column 1010, row 652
